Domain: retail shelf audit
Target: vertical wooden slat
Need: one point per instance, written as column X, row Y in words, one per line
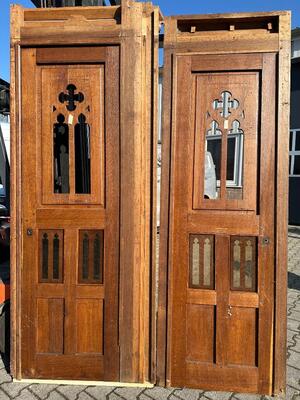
column 29, row 243
column 168, row 71
column 111, row 271
column 16, row 254
column 267, row 210
column 222, row 251
column 282, row 174
column 184, row 93
column 135, row 193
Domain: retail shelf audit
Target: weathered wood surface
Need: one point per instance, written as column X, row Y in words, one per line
column 129, row 32
column 186, row 38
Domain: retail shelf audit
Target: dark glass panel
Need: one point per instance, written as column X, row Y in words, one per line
column 82, row 156
column 97, row 255
column 45, row 249
column 231, row 158
column 61, row 155
column 297, row 145
column 291, row 141
column 56, row 256
column 214, row 148
column 243, row 263
column 85, row 256
column 297, row 165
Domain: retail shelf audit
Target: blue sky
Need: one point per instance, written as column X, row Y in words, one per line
column 168, row 7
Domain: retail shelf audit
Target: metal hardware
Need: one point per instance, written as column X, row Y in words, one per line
column 29, row 232
column 265, row 240
column 229, row 311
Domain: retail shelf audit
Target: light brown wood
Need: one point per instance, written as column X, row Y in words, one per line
column 90, row 322
column 70, row 55
column 71, row 12
column 282, row 203
column 15, row 192
column 119, row 27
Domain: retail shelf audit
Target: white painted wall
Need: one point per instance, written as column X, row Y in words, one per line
column 5, row 128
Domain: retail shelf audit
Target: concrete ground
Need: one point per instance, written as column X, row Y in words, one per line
column 23, row 391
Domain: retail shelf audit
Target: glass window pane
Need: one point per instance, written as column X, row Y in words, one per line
column 201, row 261
column 231, row 158
column 243, row 263
column 297, row 145
column 61, row 155
column 82, row 156
column 214, row 148
column 297, row 165
column 91, row 256
column 291, row 141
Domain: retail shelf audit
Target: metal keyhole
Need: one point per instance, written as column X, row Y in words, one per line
column 29, row 232
column 266, row 240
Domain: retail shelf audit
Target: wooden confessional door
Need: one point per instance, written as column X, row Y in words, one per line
column 70, row 213
column 221, row 268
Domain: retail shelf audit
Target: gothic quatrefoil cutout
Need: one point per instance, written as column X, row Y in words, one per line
column 71, row 97
column 225, row 104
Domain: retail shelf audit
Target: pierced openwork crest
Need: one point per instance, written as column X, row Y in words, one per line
column 225, row 104
column 71, row 97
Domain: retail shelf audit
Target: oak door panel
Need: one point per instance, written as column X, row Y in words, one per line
column 50, row 325
column 70, row 181
column 200, row 340
column 221, row 254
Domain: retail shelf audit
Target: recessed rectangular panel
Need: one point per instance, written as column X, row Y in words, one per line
column 201, row 261
column 242, row 336
column 51, row 253
column 200, row 328
column 50, row 325
column 89, row 325
column 226, row 134
column 72, row 144
column 91, row 256
column 243, row 263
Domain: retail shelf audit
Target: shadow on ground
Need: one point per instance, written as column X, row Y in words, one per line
column 293, row 281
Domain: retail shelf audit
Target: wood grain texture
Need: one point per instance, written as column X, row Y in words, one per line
column 92, row 311
column 282, row 203
column 137, row 116
column 236, row 310
column 15, row 192
column 135, row 121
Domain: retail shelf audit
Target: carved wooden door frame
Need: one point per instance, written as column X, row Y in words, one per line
column 133, row 29
column 216, row 36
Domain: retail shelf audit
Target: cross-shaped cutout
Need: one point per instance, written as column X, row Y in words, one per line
column 225, row 104
column 71, row 97
column 214, row 129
